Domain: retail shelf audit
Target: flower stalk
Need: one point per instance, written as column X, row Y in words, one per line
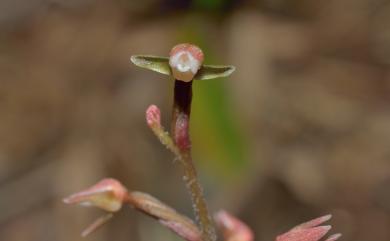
column 180, row 130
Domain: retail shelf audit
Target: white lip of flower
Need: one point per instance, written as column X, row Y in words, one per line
column 184, row 66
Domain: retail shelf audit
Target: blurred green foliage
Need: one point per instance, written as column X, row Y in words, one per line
column 210, row 4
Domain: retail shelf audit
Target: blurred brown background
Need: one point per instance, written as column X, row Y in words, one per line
column 301, row 129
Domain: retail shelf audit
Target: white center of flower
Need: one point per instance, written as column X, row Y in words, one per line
column 183, row 61
column 183, row 67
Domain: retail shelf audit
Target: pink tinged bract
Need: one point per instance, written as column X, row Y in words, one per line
column 309, row 234
column 309, row 231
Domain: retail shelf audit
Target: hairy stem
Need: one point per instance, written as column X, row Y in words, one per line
column 180, row 132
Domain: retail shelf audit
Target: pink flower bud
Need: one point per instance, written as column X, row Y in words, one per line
column 182, row 126
column 185, row 61
column 153, row 116
column 108, row 194
column 309, row 231
column 233, row 229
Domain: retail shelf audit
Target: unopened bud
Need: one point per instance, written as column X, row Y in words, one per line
column 108, row 194
column 153, row 116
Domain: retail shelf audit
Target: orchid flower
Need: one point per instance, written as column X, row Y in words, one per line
column 185, row 63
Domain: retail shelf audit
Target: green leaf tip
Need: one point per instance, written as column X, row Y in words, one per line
column 161, row 65
column 154, row 63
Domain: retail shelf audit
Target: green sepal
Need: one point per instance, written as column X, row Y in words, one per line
column 161, row 65
column 154, row 63
column 214, row 71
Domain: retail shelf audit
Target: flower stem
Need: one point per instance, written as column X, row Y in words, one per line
column 180, row 131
